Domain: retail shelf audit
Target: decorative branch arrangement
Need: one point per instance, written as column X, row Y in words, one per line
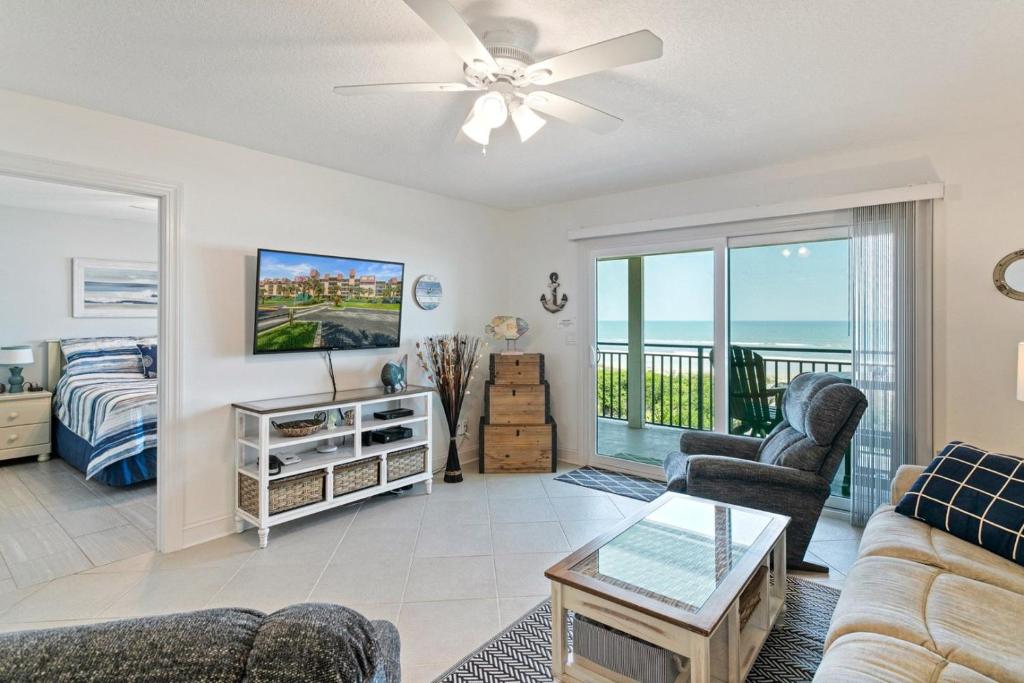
column 330, row 371
column 450, row 362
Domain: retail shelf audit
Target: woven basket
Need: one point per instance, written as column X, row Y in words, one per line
column 406, row 463
column 750, row 598
column 356, row 476
column 302, row 427
column 286, row 493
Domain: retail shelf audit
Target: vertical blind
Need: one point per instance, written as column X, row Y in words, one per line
column 889, row 266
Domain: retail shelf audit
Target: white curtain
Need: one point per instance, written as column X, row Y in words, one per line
column 890, row 265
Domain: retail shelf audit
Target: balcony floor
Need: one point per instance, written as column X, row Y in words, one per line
column 649, row 445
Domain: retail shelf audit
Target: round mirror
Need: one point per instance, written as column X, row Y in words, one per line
column 1009, row 275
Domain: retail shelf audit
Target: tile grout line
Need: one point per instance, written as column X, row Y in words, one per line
column 412, row 555
column 323, row 569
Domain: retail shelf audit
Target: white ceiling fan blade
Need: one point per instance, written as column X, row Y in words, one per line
column 454, row 30
column 572, row 111
column 628, row 49
column 376, row 88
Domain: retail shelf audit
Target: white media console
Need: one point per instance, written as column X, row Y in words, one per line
column 321, row 481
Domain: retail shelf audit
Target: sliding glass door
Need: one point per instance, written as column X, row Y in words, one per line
column 655, row 335
column 774, row 306
column 789, row 313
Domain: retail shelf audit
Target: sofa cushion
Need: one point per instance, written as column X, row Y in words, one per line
column 210, row 646
column 314, row 642
column 874, row 658
column 965, row 622
column 892, row 535
column 975, row 495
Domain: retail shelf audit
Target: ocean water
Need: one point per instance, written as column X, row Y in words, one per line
column 824, row 334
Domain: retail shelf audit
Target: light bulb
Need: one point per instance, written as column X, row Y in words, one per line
column 476, row 128
column 491, row 107
column 526, row 121
column 786, row 253
column 803, row 252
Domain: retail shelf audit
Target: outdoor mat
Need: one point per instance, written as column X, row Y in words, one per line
column 628, row 485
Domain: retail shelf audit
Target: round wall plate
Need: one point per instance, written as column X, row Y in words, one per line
column 427, row 292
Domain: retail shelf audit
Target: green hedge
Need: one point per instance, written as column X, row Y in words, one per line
column 611, row 393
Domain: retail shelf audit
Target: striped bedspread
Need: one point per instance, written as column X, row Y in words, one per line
column 115, row 413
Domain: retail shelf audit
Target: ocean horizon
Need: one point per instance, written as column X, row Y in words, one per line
column 824, row 334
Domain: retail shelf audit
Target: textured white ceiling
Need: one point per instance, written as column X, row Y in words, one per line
column 742, row 84
column 23, row 193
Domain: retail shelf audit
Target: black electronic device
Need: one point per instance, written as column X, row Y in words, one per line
column 390, row 434
column 393, row 413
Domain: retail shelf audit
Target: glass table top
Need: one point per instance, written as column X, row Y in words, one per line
column 679, row 553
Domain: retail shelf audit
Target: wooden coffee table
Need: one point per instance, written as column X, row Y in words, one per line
column 673, row 575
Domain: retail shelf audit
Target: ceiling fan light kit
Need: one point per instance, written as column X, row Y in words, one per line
column 505, row 71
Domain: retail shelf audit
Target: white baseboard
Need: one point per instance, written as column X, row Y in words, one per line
column 208, row 530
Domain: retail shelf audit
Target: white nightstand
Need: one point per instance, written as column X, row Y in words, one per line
column 25, row 425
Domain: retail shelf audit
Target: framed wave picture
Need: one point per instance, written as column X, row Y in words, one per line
column 103, row 288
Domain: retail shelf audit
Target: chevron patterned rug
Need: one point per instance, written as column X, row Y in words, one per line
column 522, row 652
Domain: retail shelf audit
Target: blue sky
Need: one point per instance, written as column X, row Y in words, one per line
column 765, row 284
column 282, row 264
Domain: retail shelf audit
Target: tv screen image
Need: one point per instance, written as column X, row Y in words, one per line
column 310, row 302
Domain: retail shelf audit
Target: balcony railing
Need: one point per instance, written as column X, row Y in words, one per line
column 678, row 381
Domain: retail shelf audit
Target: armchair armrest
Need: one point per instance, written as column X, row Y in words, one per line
column 709, row 468
column 905, row 477
column 713, row 443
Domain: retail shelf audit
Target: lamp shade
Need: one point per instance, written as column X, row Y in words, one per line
column 16, row 355
column 1020, row 372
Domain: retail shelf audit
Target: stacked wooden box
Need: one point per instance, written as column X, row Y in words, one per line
column 517, row 432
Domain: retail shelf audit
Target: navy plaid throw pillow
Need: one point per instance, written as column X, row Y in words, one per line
column 973, row 494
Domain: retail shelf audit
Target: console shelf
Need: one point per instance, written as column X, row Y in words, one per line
column 256, row 440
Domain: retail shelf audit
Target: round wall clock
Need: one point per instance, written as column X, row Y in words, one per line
column 427, row 292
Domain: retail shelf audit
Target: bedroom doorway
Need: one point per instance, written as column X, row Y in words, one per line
column 92, row 251
column 79, row 409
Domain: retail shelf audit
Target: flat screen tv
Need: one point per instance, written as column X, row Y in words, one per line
column 309, row 302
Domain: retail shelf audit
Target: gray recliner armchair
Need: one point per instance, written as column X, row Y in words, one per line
column 789, row 472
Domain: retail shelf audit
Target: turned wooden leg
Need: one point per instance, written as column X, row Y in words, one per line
column 264, row 534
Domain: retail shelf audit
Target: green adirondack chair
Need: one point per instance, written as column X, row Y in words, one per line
column 754, row 407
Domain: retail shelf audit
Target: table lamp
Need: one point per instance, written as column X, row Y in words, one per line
column 15, row 357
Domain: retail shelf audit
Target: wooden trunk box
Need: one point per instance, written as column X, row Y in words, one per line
column 517, row 404
column 518, row 448
column 517, row 432
column 526, row 368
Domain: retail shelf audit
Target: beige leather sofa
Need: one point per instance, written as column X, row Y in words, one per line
column 922, row 605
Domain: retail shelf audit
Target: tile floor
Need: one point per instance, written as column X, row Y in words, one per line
column 450, row 569
column 54, row 523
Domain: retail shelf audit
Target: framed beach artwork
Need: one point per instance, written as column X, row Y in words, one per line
column 103, row 288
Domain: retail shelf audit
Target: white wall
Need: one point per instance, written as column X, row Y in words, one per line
column 236, row 200
column 976, row 329
column 35, row 284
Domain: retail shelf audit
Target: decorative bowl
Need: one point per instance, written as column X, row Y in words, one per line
column 302, row 427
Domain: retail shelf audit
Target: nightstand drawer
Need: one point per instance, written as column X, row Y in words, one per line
column 24, row 412
column 24, row 435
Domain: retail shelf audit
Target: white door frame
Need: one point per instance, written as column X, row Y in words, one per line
column 170, row 462
column 594, row 250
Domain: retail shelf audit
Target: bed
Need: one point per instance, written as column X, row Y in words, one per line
column 106, row 420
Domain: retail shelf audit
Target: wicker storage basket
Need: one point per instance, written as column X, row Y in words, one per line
column 286, row 493
column 750, row 598
column 356, row 476
column 407, row 462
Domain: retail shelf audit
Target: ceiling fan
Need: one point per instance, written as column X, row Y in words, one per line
column 507, row 75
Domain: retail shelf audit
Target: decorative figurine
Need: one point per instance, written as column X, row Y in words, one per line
column 553, row 306
column 508, row 328
column 393, row 375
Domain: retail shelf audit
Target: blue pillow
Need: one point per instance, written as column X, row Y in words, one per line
column 148, row 352
column 101, row 355
column 974, row 495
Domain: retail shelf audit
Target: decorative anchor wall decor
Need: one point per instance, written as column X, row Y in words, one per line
column 553, row 306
